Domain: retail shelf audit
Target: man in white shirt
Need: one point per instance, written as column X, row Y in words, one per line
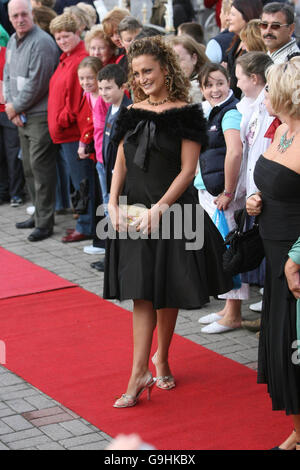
column 277, row 26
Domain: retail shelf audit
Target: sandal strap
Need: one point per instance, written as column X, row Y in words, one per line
column 128, row 398
column 165, row 378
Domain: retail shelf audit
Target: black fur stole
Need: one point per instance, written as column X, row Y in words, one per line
column 187, row 122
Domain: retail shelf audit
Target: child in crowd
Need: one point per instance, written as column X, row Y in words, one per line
column 223, row 118
column 250, row 73
column 87, row 75
column 112, row 84
column 256, row 121
column 128, row 29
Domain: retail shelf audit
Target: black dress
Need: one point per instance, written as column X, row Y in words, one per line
column 162, row 269
column 278, row 366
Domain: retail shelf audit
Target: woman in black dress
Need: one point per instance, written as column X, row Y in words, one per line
column 160, row 138
column 277, row 176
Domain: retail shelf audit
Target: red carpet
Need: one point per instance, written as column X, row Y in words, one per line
column 21, row 277
column 76, row 348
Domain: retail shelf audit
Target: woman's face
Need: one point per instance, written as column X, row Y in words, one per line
column 66, row 40
column 217, row 88
column 115, row 38
column 101, row 49
column 267, row 102
column 187, row 62
column 149, row 75
column 88, row 80
column 236, row 21
column 245, row 83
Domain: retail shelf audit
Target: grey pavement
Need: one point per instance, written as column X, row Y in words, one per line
column 31, row 420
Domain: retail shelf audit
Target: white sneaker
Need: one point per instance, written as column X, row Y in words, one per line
column 261, row 291
column 30, row 210
column 210, row 318
column 256, row 307
column 93, row 250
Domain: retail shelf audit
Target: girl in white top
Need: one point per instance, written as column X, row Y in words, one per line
column 250, row 72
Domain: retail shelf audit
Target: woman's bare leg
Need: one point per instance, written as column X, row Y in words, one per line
column 231, row 314
column 144, row 322
column 166, row 322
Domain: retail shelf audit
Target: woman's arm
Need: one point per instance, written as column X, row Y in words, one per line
column 233, row 159
column 292, row 274
column 292, row 268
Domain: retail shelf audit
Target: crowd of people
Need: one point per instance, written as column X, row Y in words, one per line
column 93, row 109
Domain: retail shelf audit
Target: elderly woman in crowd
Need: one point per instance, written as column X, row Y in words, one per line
column 99, row 45
column 66, row 107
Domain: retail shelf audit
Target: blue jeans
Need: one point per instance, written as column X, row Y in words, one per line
column 79, row 170
column 62, row 182
column 102, row 179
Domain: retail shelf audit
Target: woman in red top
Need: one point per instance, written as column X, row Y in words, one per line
column 70, row 121
column 11, row 169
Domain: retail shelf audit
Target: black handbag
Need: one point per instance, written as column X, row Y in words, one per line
column 245, row 250
column 80, row 198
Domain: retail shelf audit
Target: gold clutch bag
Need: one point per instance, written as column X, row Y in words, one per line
column 133, row 212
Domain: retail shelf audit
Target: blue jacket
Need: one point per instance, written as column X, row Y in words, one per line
column 212, row 160
column 109, row 147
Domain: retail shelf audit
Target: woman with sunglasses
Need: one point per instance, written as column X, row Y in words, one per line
column 277, row 26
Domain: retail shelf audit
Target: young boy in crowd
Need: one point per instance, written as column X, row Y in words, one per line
column 129, row 27
column 112, row 85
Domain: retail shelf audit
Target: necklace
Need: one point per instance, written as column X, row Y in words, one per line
column 157, row 103
column 285, row 143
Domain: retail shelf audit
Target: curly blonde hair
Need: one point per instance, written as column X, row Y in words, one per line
column 156, row 47
column 283, row 82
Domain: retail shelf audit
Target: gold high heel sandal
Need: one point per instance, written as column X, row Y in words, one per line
column 127, row 401
column 162, row 380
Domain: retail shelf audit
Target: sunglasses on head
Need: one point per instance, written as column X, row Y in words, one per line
column 273, row 26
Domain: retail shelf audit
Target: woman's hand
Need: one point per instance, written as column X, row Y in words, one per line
column 292, row 274
column 118, row 217
column 81, row 153
column 222, row 202
column 254, row 205
column 149, row 221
